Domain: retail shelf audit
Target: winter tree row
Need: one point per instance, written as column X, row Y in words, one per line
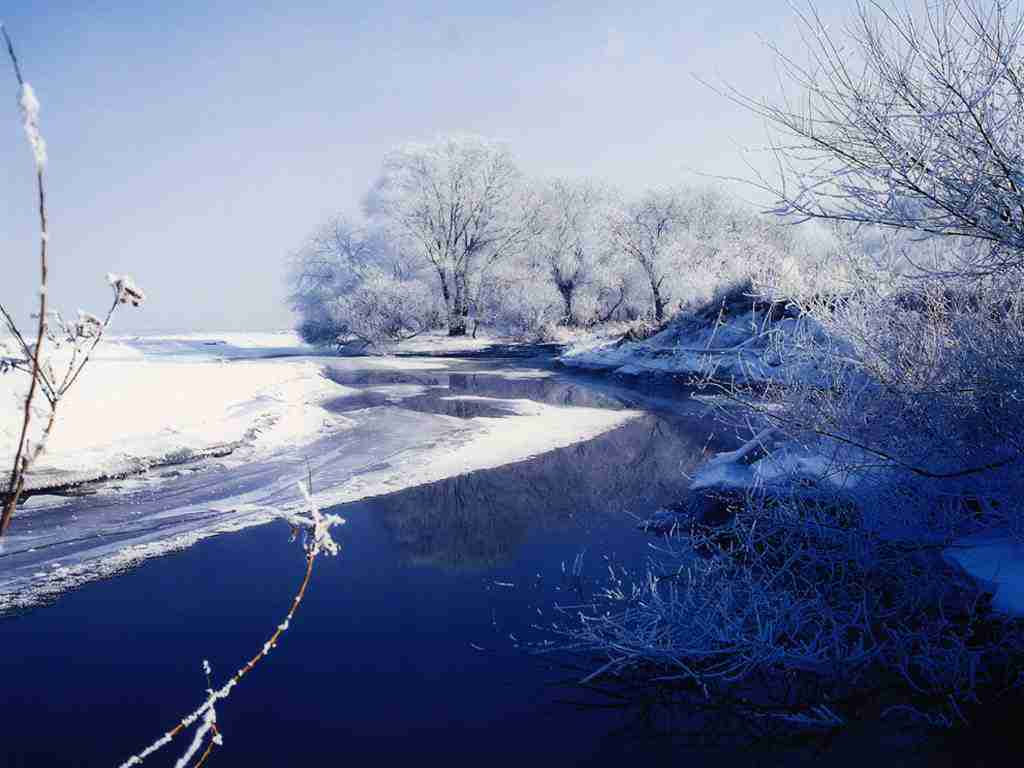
column 454, row 236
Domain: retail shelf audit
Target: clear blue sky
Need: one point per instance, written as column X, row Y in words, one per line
column 194, row 144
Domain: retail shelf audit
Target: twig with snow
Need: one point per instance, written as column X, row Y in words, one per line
column 317, row 527
column 83, row 335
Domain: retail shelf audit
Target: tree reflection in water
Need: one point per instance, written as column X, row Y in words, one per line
column 479, row 520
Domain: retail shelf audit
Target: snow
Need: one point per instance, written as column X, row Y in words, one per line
column 742, row 347
column 122, row 412
column 241, row 339
column 770, row 460
column 30, row 115
column 997, row 560
column 441, row 343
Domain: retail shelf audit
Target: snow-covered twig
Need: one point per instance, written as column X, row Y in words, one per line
column 318, row 539
column 83, row 336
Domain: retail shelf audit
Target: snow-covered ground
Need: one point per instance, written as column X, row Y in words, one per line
column 267, row 409
column 439, row 343
column 146, row 400
column 737, row 343
column 996, row 559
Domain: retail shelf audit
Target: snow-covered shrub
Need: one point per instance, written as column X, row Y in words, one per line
column 330, row 265
column 924, row 383
column 383, row 308
column 351, row 282
column 523, row 308
column 788, row 611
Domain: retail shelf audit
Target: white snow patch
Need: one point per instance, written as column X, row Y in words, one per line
column 122, row 410
column 769, row 459
column 998, row 560
column 743, row 348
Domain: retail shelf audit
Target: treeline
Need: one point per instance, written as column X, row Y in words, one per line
column 454, row 236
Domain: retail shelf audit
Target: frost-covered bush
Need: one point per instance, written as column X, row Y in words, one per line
column 350, row 282
column 521, row 307
column 923, row 383
column 383, row 308
column 788, row 614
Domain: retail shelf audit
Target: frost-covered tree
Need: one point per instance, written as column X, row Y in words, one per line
column 669, row 234
column 458, row 204
column 382, row 307
column 647, row 232
column 913, row 118
column 349, row 281
column 324, row 268
column 572, row 240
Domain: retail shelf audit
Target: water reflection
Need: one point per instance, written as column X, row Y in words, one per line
column 446, row 393
column 480, row 520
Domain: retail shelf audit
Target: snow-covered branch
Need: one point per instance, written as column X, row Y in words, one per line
column 315, row 528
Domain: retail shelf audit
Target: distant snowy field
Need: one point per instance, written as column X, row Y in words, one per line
column 148, row 399
column 210, row 433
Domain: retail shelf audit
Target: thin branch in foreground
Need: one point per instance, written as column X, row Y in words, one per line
column 84, row 336
column 317, row 530
column 30, row 113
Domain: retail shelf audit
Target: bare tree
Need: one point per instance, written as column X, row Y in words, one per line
column 572, row 237
column 912, row 118
column 457, row 203
column 646, row 232
column 668, row 233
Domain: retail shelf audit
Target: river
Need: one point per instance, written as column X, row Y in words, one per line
column 419, row 642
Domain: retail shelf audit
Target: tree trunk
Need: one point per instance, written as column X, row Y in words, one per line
column 456, row 324
column 458, row 313
column 458, row 309
column 567, row 289
column 660, row 302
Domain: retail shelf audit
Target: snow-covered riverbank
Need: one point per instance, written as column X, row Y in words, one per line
column 150, row 400
column 738, row 339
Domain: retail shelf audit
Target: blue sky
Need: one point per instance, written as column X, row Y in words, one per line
column 193, row 144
